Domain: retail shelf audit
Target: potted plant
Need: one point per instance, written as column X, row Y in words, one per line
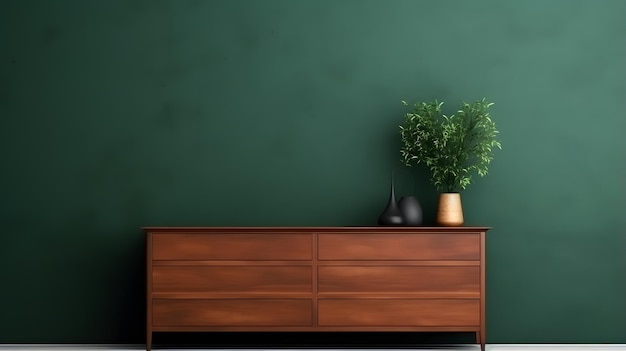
column 452, row 148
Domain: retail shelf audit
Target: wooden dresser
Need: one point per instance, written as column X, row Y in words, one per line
column 316, row 279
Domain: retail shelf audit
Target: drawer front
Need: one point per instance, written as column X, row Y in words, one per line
column 232, row 279
column 232, row 246
column 398, row 313
column 401, row 279
column 232, row 313
column 399, row 246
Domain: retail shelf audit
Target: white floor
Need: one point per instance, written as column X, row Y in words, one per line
column 493, row 347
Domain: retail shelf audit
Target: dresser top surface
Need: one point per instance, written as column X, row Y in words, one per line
column 348, row 229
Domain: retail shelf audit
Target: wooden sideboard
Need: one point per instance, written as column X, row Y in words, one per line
column 316, row 279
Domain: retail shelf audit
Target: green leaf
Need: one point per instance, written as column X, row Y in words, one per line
column 451, row 147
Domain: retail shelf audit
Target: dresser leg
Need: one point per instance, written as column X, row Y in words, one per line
column 480, row 339
column 149, row 341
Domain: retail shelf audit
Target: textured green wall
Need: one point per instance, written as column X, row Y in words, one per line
column 120, row 114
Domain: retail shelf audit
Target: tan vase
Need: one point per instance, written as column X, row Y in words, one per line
column 450, row 210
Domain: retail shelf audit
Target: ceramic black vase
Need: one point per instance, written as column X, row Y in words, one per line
column 392, row 214
column 411, row 211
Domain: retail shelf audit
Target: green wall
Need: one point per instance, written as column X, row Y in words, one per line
column 120, row 114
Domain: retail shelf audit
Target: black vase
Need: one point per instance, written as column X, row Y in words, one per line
column 392, row 214
column 411, row 210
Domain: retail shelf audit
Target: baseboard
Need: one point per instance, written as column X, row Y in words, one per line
column 557, row 347
column 492, row 347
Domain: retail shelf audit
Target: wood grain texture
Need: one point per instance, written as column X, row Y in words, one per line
column 232, row 312
column 149, row 326
column 238, row 279
column 483, row 291
column 316, row 279
column 405, row 279
column 399, row 246
column 232, row 246
column 398, row 312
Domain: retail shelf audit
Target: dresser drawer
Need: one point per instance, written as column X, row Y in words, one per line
column 398, row 313
column 232, row 312
column 232, row 246
column 238, row 279
column 399, row 246
column 400, row 279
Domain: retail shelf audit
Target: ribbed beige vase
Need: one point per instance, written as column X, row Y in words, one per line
column 450, row 210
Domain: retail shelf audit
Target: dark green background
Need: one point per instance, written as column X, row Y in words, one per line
column 121, row 114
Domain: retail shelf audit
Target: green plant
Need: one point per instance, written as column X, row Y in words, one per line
column 451, row 147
